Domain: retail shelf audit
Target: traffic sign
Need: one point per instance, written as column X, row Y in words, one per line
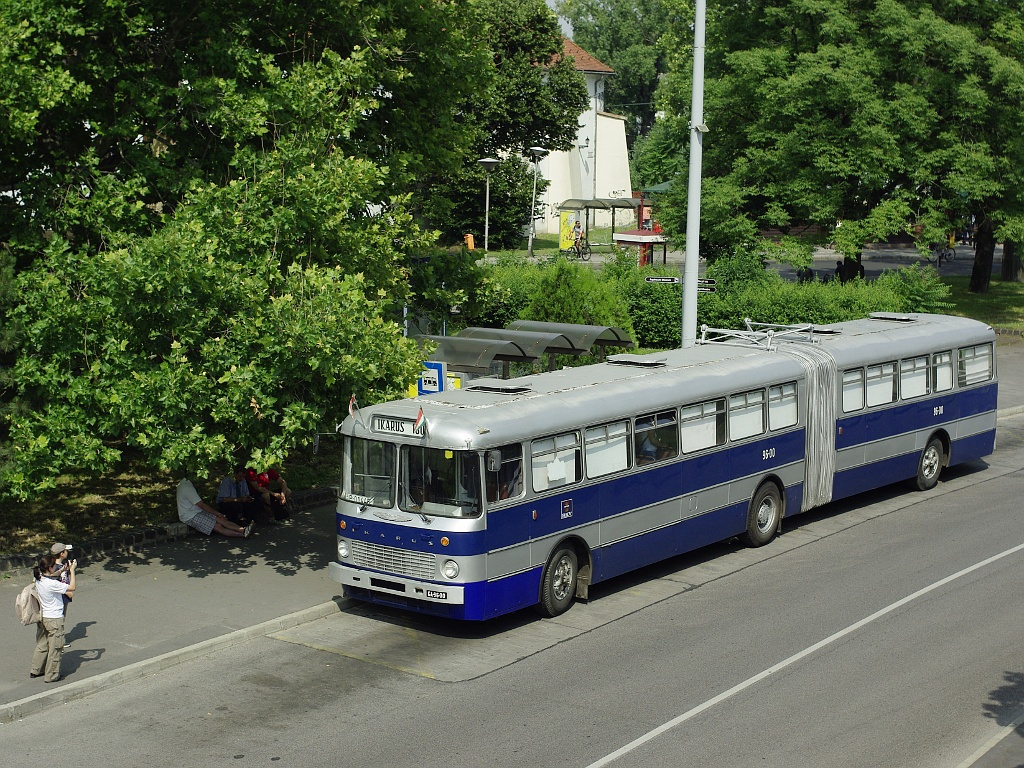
column 705, row 281
column 705, row 289
column 661, row 279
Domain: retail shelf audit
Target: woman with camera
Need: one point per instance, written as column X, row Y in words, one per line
column 50, row 629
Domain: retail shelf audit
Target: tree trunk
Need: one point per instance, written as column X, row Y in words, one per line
column 1013, row 265
column 985, row 247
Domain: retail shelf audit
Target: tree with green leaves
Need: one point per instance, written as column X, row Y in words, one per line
column 859, row 120
column 205, row 220
column 625, row 35
column 111, row 113
column 534, row 98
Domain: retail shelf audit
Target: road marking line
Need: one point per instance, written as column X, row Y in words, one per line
column 665, row 727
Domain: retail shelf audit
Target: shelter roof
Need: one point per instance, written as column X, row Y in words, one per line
column 605, row 203
column 524, row 341
column 583, row 336
column 470, row 355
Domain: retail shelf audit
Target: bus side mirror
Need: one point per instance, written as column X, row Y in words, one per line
column 493, row 461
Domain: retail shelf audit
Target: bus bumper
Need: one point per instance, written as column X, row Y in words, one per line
column 392, row 587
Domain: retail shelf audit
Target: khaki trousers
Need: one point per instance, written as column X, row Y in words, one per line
column 49, row 647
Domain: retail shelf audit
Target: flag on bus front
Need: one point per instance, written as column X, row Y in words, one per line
column 353, row 406
column 420, row 423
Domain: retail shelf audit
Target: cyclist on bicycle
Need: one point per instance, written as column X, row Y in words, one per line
column 577, row 234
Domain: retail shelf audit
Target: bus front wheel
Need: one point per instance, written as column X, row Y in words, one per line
column 930, row 465
column 763, row 516
column 558, row 587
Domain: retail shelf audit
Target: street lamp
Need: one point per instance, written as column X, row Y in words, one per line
column 537, row 153
column 489, row 164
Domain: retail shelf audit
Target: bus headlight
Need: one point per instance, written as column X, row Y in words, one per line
column 342, row 549
column 450, row 569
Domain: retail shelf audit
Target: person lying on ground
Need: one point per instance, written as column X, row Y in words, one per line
column 196, row 513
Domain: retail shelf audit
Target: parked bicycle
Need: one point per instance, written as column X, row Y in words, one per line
column 941, row 252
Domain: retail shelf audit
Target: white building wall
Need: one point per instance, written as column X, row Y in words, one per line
column 598, row 166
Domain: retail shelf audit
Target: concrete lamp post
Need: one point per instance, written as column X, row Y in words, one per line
column 489, row 164
column 538, row 153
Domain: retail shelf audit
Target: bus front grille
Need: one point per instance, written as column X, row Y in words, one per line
column 419, row 565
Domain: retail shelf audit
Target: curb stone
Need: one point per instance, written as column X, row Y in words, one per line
column 133, row 541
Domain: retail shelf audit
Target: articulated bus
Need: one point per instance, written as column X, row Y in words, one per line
column 521, row 492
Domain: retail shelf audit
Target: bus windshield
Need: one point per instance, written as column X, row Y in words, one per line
column 439, row 482
column 372, row 472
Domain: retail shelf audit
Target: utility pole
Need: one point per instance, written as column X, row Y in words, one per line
column 697, row 131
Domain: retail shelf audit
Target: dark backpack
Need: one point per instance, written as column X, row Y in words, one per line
column 27, row 607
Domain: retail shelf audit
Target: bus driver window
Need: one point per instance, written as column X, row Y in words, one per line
column 504, row 473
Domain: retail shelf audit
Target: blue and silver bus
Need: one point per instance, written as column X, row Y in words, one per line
column 521, row 492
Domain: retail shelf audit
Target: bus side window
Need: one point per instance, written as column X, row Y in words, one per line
column 607, row 448
column 746, row 414
column 702, row 425
column 782, row 410
column 975, row 365
column 853, row 390
column 507, row 481
column 914, row 377
column 556, row 461
column 942, row 372
column 881, row 384
column 655, row 437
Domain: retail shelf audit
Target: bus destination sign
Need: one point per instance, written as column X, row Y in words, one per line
column 392, row 426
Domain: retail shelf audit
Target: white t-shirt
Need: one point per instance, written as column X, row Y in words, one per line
column 50, row 591
column 188, row 500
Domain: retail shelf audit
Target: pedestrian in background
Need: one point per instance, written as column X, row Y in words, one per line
column 62, row 552
column 50, row 629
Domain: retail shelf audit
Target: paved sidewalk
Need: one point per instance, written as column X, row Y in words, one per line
column 141, row 611
column 136, row 612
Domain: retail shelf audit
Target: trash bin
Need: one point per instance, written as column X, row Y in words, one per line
column 469, row 241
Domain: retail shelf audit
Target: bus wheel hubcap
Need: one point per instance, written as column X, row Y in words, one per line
column 765, row 515
column 562, row 579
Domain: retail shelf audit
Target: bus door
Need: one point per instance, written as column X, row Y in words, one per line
column 508, row 518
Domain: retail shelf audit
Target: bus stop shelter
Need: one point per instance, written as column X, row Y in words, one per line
column 475, row 350
column 598, row 203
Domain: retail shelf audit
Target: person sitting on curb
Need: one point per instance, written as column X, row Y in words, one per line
column 280, row 495
column 196, row 513
column 235, row 500
column 264, row 515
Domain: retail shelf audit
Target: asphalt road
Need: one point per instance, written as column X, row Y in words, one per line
column 876, row 259
column 880, row 631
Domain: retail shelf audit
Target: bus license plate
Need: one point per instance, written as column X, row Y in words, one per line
column 435, row 595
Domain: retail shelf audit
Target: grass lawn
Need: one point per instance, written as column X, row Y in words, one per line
column 84, row 507
column 1001, row 307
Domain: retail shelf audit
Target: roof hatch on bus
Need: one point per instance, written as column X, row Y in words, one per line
column 892, row 317
column 496, row 387
column 639, row 361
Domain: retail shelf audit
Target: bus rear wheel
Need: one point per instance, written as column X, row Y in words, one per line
column 763, row 516
column 558, row 586
column 930, row 465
